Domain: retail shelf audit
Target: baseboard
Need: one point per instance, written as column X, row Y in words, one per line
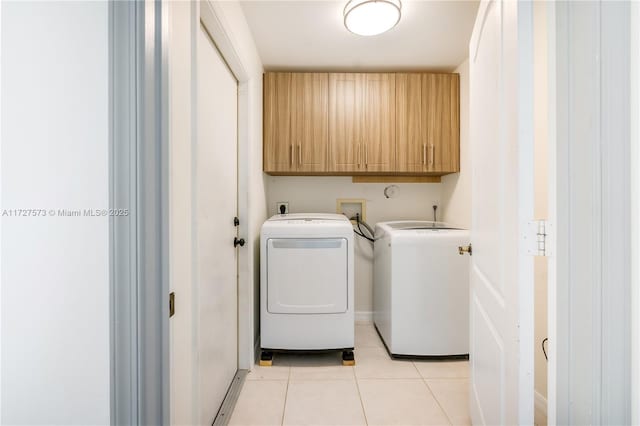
column 364, row 317
column 540, row 408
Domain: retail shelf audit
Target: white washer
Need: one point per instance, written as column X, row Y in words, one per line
column 421, row 288
column 307, row 285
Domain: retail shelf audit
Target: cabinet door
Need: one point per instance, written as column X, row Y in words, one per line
column 379, row 136
column 411, row 127
column 310, row 121
column 345, row 123
column 278, row 152
column 441, row 102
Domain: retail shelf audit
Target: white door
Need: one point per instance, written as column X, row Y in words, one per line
column 215, row 256
column 501, row 302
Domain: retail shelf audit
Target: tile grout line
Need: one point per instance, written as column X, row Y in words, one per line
column 355, row 376
column 286, row 396
column 364, row 412
column 424, row 380
column 438, row 401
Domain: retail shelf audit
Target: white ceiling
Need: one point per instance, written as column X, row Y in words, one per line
column 310, row 35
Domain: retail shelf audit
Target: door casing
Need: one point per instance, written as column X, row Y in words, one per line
column 139, row 179
column 589, row 208
column 139, row 296
column 635, row 211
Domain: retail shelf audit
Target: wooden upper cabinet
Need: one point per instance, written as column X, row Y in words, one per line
column 411, row 147
column 379, row 134
column 441, row 102
column 296, row 116
column 278, row 153
column 310, row 121
column 359, row 123
column 428, row 123
column 345, row 123
column 362, row 123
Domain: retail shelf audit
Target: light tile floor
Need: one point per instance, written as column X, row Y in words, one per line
column 317, row 390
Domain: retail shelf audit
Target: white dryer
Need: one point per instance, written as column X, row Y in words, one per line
column 307, row 283
column 421, row 289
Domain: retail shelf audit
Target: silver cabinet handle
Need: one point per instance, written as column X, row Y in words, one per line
column 291, row 154
column 432, row 154
column 366, row 156
column 300, row 154
column 359, row 162
column 424, row 153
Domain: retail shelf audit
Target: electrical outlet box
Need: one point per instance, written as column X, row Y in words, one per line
column 280, row 205
column 352, row 206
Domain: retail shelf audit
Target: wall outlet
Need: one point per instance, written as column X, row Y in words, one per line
column 282, row 207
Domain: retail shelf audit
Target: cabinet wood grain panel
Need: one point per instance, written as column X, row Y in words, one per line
column 454, row 124
column 345, row 122
column 379, row 135
column 411, row 124
column 278, row 147
column 361, row 123
column 310, row 121
column 440, row 101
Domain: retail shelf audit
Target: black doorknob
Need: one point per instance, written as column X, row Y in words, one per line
column 238, row 242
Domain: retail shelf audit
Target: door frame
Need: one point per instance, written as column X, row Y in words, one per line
column 635, row 212
column 590, row 193
column 139, row 181
column 138, row 176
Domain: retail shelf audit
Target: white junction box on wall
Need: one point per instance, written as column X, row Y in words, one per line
column 352, row 206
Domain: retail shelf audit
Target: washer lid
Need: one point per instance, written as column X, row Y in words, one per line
column 309, row 217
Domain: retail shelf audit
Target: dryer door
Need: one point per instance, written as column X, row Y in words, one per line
column 307, row 275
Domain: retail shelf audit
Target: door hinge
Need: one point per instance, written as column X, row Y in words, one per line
column 537, row 238
column 465, row 249
column 172, row 304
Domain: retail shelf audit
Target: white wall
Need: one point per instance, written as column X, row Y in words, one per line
column 456, row 187
column 55, row 270
column 319, row 194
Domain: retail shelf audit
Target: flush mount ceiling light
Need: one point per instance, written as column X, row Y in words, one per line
column 371, row 17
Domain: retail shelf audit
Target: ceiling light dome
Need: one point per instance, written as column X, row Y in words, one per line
column 371, row 17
